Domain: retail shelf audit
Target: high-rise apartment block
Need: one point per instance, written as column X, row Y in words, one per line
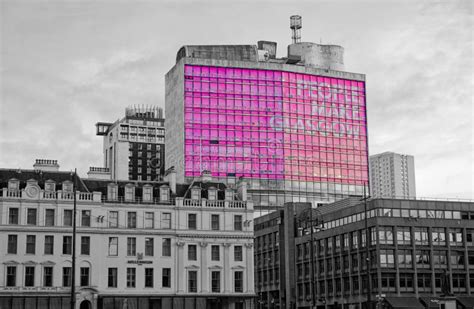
column 392, row 175
column 133, row 146
column 294, row 128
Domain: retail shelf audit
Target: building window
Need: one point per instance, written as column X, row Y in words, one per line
column 421, row 236
column 403, row 236
column 238, row 281
column 131, row 246
column 149, row 246
column 85, row 245
column 166, row 278
column 30, row 244
column 166, row 220
column 48, row 244
column 84, row 273
column 192, row 281
column 149, row 220
column 147, row 194
column 112, row 192
column 113, row 246
column 29, row 276
column 195, row 193
column 131, row 277
column 405, row 258
column 86, row 218
column 386, row 235
column 455, row 237
column 49, row 217
column 131, row 219
column 113, row 219
column 164, row 194
column 387, row 258
column 48, row 276
column 67, row 220
column 13, row 216
column 67, row 244
column 11, row 275
column 66, row 276
column 438, row 237
column 130, row 192
column 192, row 252
column 192, row 224
column 148, row 277
column 238, row 223
column 215, row 222
column 238, row 253
column 215, row 281
column 422, row 258
column 166, row 247
column 215, row 253
column 440, row 259
column 31, row 216
column 212, row 192
column 112, row 278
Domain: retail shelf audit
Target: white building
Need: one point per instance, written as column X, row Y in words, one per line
column 139, row 245
column 392, row 175
column 134, row 146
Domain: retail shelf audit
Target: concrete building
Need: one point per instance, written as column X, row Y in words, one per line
column 294, row 128
column 392, row 175
column 139, row 245
column 420, row 255
column 133, row 146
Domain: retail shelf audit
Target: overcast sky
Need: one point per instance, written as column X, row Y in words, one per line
column 66, row 65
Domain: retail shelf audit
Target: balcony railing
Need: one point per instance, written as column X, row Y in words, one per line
column 52, row 195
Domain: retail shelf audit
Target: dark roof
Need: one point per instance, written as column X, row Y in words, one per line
column 40, row 176
column 404, row 302
column 466, row 301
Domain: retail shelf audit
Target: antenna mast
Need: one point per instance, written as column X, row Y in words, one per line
column 295, row 26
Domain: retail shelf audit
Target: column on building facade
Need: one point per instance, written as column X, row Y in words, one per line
column 249, row 268
column 227, row 269
column 204, row 270
column 180, row 270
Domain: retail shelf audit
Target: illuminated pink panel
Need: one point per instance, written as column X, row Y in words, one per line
column 274, row 125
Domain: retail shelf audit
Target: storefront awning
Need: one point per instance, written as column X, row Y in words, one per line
column 466, row 301
column 430, row 302
column 404, row 302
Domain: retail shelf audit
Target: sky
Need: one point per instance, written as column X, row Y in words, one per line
column 66, row 65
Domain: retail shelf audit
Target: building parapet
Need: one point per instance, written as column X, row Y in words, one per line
column 184, row 202
column 47, row 195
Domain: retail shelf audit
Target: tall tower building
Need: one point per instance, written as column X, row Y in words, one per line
column 392, row 175
column 134, row 146
column 294, row 128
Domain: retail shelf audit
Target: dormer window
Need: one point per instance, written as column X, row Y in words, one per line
column 67, row 186
column 229, row 194
column 49, row 186
column 164, row 193
column 13, row 184
column 129, row 192
column 147, row 193
column 112, row 190
column 196, row 193
column 212, row 194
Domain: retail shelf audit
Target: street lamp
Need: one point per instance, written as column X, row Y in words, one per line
column 367, row 237
column 313, row 217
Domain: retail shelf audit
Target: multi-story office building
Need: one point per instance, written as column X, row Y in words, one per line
column 294, row 128
column 420, row 255
column 139, row 245
column 133, row 146
column 392, row 175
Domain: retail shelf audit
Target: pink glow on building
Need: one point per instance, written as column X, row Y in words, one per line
column 274, row 125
